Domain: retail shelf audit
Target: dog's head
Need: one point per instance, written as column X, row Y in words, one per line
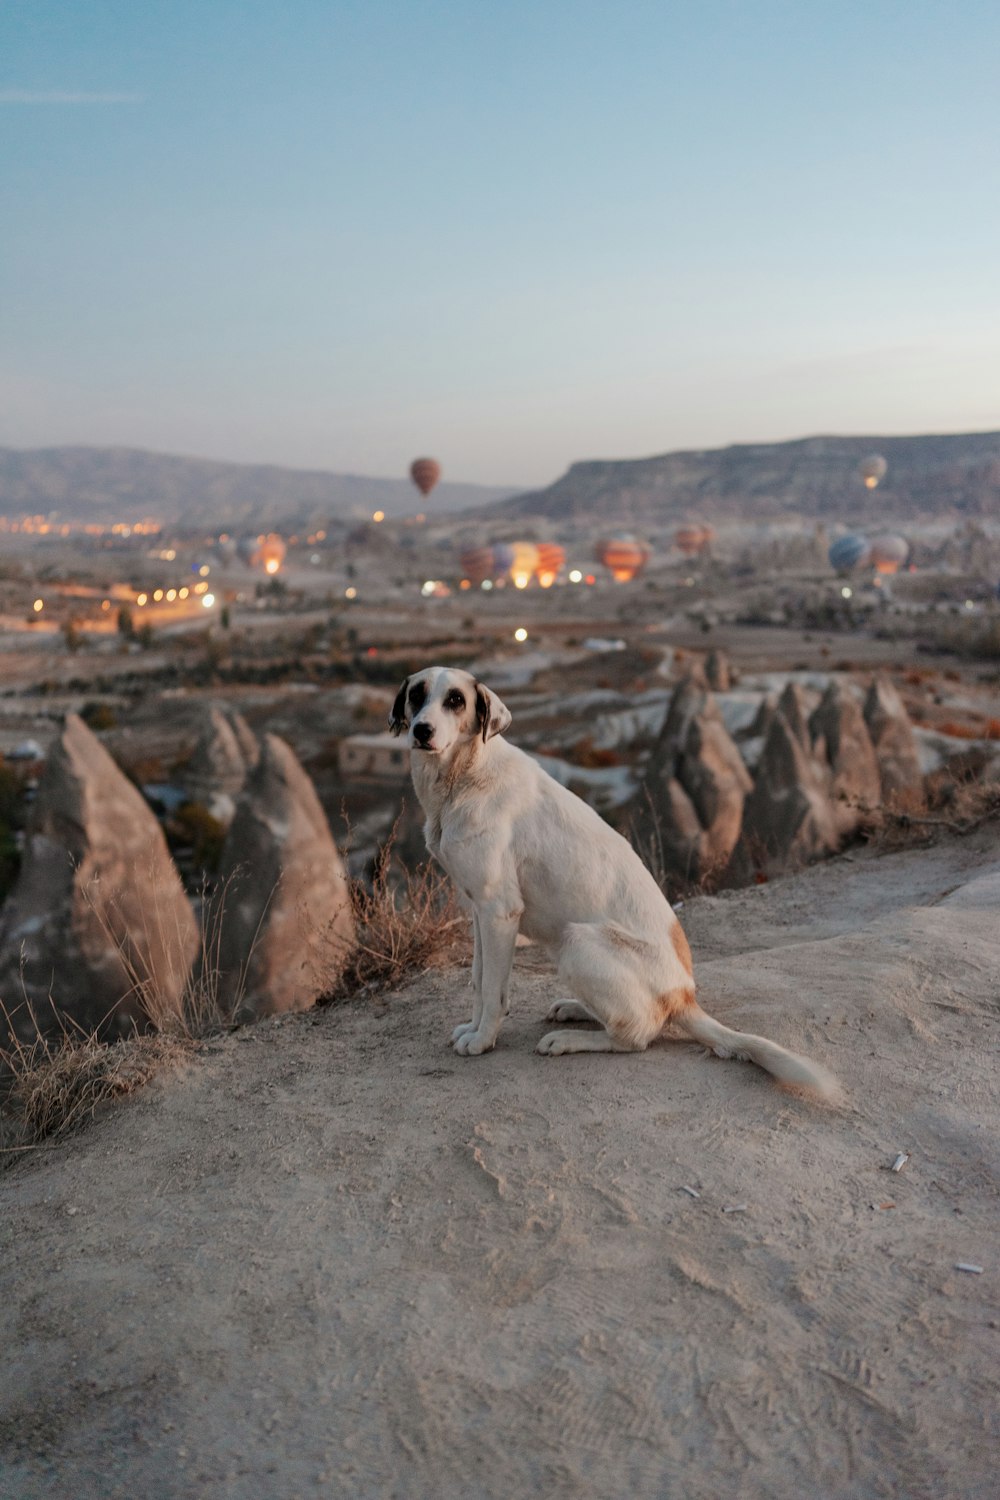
column 441, row 707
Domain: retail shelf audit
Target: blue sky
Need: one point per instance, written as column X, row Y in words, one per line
column 509, row 234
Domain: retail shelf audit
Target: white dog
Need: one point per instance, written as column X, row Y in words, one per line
column 531, row 857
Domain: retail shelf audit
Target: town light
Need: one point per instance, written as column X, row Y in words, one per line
column 576, row 576
column 38, row 606
column 208, row 600
column 520, row 634
column 350, row 593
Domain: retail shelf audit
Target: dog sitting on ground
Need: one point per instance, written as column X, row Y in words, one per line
column 531, row 857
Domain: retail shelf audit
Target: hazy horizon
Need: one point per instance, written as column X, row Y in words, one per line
column 335, row 237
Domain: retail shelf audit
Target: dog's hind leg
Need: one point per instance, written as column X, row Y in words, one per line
column 569, row 1010
column 606, row 967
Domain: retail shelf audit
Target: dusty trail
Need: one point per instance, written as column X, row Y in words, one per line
column 331, row 1258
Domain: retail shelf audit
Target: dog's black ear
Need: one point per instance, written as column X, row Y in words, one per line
column 397, row 718
column 492, row 716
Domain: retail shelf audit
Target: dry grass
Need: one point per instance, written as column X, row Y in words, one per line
column 58, row 1079
column 406, row 921
column 58, row 1082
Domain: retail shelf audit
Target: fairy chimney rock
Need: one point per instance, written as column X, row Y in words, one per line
column 895, row 744
column 286, row 928
column 794, row 710
column 696, row 783
column 788, row 818
column 98, row 918
column 717, row 671
column 843, row 747
column 245, row 738
column 218, row 765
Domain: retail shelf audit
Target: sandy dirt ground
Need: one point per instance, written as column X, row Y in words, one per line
column 331, row 1258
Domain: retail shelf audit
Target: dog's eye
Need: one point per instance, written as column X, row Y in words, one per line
column 455, row 701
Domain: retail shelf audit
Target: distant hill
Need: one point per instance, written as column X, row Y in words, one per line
column 111, row 484
column 935, row 476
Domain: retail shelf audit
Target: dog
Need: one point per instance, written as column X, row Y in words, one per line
column 530, row 856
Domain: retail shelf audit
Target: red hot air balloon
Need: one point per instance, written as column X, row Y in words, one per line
column 477, row 563
column 425, row 473
column 624, row 555
column 693, row 538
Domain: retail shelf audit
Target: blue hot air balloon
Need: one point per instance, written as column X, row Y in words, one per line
column 849, row 552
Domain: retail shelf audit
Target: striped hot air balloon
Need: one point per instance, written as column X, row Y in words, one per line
column 849, row 552
column 625, row 556
column 889, row 553
column 551, row 557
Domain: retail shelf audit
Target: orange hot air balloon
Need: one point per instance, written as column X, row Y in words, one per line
column 425, row 473
column 624, row 555
column 477, row 563
column 267, row 552
column 693, row 538
column 551, row 557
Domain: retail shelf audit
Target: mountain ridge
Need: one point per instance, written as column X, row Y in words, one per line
column 929, row 476
column 102, row 484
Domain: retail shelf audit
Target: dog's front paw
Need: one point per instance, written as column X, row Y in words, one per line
column 462, row 1030
column 555, row 1043
column 473, row 1043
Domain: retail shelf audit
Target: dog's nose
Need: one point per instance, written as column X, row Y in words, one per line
column 422, row 733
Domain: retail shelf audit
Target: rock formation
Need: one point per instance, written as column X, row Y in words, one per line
column 98, row 919
column 843, row 748
column 695, row 784
column 718, row 671
column 788, row 818
column 794, row 709
column 895, row 745
column 287, row 925
column 218, row 764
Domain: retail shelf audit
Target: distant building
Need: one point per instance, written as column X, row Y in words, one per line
column 380, row 756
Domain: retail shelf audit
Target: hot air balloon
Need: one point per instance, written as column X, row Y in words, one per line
column 624, row 555
column 849, row 552
column 693, row 538
column 873, row 469
column 267, row 552
column 889, row 553
column 477, row 563
column 503, row 558
column 524, row 564
column 425, row 473
column 551, row 557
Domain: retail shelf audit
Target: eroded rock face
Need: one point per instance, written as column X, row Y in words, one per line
column 218, row 764
column 695, row 784
column 718, row 672
column 788, row 818
column 98, row 904
column 287, row 925
column 843, row 748
column 895, row 745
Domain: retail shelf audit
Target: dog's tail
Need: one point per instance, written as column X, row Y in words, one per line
column 787, row 1067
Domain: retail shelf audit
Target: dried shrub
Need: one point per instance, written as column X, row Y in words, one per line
column 55, row 1084
column 406, row 921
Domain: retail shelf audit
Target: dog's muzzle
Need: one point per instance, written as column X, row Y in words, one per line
column 422, row 735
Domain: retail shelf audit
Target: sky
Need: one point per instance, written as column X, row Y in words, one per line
column 508, row 233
